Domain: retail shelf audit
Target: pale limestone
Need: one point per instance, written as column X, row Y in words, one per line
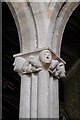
column 40, row 70
column 40, row 25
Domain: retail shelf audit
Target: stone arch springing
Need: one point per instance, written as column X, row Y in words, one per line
column 60, row 23
column 25, row 24
column 70, row 52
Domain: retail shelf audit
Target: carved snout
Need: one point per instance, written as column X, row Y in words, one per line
column 60, row 70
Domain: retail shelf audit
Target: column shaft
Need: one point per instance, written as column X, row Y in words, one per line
column 34, row 95
column 54, row 98
column 25, row 96
column 43, row 94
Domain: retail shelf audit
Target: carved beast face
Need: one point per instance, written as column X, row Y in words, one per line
column 46, row 57
column 18, row 64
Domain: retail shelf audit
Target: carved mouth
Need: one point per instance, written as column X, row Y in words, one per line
column 47, row 57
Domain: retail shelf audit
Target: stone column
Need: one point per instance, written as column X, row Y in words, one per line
column 39, row 71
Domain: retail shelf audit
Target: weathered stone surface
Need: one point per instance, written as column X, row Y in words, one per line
column 38, row 60
column 40, row 25
column 40, row 70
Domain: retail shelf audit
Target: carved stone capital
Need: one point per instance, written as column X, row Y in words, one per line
column 35, row 61
column 57, row 69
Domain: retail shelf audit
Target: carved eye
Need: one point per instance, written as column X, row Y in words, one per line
column 46, row 56
column 61, row 64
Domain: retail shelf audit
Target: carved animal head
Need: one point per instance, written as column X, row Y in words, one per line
column 45, row 57
column 18, row 64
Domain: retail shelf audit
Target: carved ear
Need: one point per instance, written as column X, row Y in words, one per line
column 53, row 64
column 61, row 64
column 31, row 58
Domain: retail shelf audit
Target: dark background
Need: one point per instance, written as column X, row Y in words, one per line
column 10, row 79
